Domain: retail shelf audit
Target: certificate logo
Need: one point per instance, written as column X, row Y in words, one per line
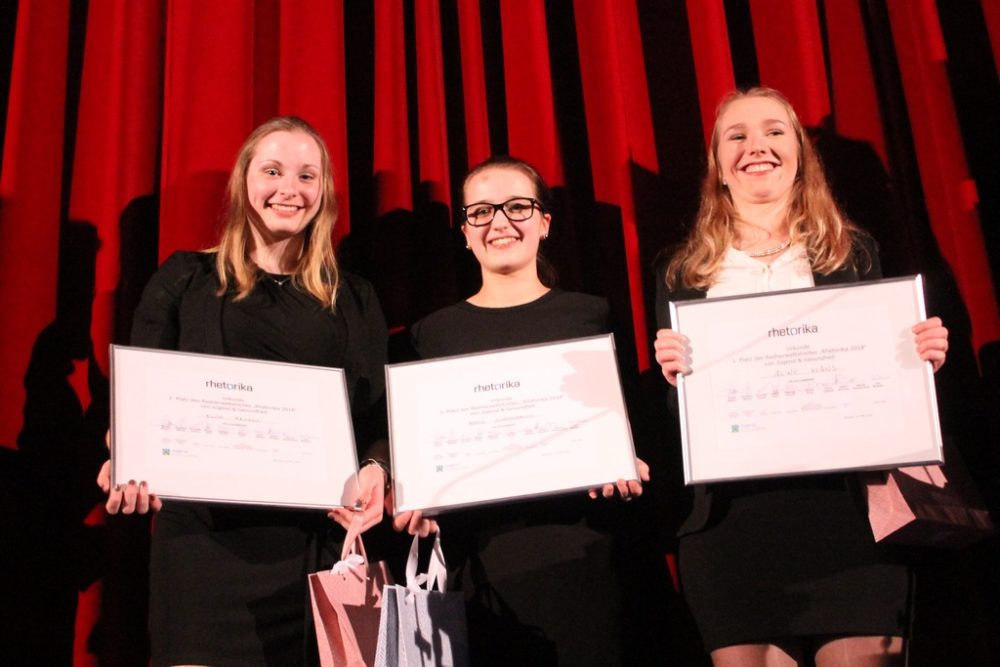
column 166, row 451
column 735, row 428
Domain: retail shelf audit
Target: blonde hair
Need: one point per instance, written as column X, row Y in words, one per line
column 316, row 271
column 813, row 216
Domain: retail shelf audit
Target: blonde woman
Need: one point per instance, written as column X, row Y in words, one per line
column 228, row 584
column 783, row 571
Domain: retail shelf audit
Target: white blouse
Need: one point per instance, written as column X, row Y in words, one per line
column 742, row 274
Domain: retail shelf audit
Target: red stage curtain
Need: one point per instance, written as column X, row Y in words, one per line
column 392, row 137
column 949, row 191
column 114, row 163
column 531, row 120
column 118, row 136
column 31, row 195
column 477, row 123
column 312, row 83
column 854, row 103
column 991, row 13
column 118, row 133
column 208, row 109
column 790, row 55
column 619, row 126
column 712, row 60
column 432, row 136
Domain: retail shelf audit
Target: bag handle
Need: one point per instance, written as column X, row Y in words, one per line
column 436, row 577
column 352, row 555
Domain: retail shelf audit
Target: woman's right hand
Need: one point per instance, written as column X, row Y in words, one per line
column 672, row 354
column 129, row 498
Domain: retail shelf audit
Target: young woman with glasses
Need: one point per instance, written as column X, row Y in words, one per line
column 543, row 557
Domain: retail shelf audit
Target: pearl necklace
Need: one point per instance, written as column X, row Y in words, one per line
column 771, row 251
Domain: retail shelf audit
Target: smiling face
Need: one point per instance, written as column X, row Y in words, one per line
column 284, row 185
column 503, row 246
column 758, row 150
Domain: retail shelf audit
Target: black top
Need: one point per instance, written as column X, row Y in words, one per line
column 282, row 323
column 463, row 328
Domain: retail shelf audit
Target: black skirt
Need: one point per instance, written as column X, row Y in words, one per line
column 790, row 558
column 228, row 585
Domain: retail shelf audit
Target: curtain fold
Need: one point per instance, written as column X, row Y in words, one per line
column 477, row 122
column 949, row 191
column 31, row 195
column 712, row 59
column 991, row 14
column 392, row 138
column 619, row 127
column 432, row 136
column 313, row 84
column 790, row 55
column 118, row 133
column 531, row 115
column 204, row 122
column 855, row 102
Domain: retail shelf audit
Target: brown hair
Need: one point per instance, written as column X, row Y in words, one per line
column 316, row 271
column 813, row 216
column 543, row 193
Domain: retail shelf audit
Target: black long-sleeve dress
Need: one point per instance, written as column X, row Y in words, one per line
column 228, row 583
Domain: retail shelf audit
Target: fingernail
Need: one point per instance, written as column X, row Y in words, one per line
column 118, row 487
column 131, row 481
column 142, row 485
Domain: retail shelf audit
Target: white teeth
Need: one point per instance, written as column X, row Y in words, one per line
column 504, row 242
column 758, row 167
column 285, row 207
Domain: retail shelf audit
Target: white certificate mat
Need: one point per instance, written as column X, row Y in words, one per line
column 806, row 381
column 513, row 423
column 221, row 429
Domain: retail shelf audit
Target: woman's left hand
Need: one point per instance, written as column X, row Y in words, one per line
column 370, row 501
column 932, row 341
column 628, row 489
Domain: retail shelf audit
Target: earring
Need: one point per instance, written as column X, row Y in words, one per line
column 467, row 246
column 725, row 184
column 545, row 236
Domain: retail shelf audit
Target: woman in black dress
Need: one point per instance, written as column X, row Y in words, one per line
column 545, row 557
column 782, row 571
column 228, row 583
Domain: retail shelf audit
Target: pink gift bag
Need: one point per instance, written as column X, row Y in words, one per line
column 347, row 605
column 927, row 506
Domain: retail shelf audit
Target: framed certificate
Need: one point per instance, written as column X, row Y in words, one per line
column 507, row 424
column 222, row 429
column 806, row 381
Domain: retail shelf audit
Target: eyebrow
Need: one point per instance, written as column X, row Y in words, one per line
column 767, row 121
column 279, row 162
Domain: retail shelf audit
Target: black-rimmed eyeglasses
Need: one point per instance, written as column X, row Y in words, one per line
column 517, row 209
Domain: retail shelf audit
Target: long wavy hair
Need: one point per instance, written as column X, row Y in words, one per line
column 316, row 271
column 547, row 273
column 813, row 216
